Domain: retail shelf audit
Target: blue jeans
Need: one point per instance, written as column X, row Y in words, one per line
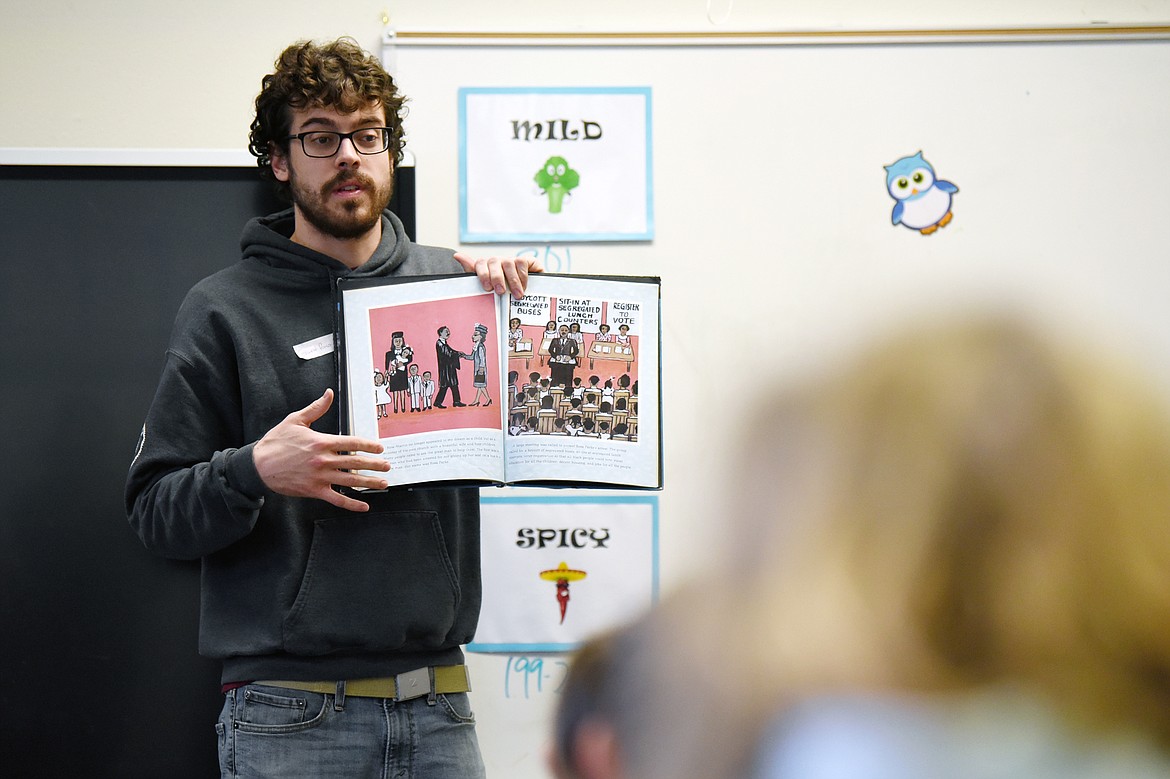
column 275, row 732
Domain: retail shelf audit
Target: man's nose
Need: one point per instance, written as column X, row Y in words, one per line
column 347, row 153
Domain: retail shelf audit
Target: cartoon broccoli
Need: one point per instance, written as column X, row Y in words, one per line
column 555, row 179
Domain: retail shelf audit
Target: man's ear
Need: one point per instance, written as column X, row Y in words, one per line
column 279, row 161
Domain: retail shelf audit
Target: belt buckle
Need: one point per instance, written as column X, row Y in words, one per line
column 412, row 684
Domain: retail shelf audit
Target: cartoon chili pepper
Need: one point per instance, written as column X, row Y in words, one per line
column 562, row 575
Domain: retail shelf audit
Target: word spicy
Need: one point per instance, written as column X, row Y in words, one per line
column 576, row 538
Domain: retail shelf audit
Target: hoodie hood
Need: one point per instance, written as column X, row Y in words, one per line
column 268, row 239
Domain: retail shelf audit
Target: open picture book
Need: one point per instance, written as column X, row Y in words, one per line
column 559, row 388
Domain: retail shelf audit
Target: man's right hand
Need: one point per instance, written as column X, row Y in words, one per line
column 295, row 460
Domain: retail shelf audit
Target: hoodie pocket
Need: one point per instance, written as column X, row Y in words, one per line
column 374, row 582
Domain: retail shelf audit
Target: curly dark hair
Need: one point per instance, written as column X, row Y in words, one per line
column 338, row 74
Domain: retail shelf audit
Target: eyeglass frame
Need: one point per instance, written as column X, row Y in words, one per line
column 387, row 133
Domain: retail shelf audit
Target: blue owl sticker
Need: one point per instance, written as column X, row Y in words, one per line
column 922, row 200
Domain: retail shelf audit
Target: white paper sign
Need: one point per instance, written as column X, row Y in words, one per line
column 555, row 164
column 559, row 569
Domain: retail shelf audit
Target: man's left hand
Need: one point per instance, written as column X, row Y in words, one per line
column 502, row 274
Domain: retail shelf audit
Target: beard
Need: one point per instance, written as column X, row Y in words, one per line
column 346, row 220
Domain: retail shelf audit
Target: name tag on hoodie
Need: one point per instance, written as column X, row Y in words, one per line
column 315, row 347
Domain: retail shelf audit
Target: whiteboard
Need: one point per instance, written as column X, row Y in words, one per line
column 774, row 238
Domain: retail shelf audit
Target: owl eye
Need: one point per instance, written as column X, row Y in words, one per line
column 917, row 178
column 903, row 183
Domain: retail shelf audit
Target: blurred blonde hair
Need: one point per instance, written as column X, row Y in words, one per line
column 964, row 506
column 967, row 504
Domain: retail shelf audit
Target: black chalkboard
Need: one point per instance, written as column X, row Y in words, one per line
column 99, row 674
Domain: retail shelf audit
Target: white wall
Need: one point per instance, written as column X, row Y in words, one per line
column 164, row 74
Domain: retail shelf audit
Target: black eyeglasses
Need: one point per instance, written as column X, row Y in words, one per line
column 325, row 143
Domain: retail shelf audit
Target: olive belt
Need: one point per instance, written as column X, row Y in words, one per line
column 430, row 680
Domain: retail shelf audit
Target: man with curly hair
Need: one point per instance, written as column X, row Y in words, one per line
column 338, row 616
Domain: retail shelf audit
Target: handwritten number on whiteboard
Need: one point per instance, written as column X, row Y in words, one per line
column 532, row 673
column 559, row 260
column 563, row 666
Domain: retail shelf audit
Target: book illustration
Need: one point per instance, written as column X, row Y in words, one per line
column 922, row 200
column 421, row 388
column 394, row 381
column 466, row 386
column 562, row 575
column 584, row 381
column 479, row 365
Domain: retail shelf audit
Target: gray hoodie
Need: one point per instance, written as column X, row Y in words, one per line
column 294, row 588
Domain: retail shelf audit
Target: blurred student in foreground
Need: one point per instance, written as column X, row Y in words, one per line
column 586, row 743
column 951, row 559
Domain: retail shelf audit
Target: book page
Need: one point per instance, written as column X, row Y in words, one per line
column 583, row 382
column 421, row 374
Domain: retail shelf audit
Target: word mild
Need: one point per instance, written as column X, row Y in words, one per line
column 570, row 130
column 562, row 538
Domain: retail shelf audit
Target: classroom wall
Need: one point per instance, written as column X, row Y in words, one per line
column 186, row 74
column 757, row 284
